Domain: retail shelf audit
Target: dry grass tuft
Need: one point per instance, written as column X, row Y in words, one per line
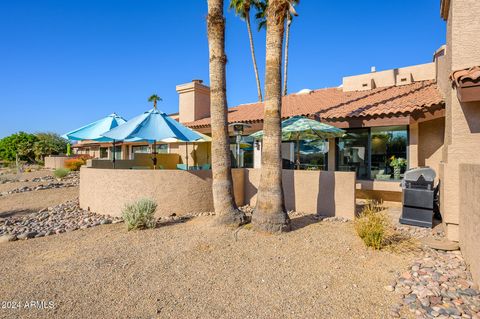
column 375, row 229
column 371, row 225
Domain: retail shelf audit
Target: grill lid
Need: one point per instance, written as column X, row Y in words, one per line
column 414, row 174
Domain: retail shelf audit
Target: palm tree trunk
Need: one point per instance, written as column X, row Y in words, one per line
column 270, row 214
column 285, row 62
column 222, row 185
column 252, row 51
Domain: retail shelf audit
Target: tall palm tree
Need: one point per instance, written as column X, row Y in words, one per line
column 242, row 9
column 222, row 185
column 154, row 98
column 290, row 15
column 261, row 21
column 270, row 214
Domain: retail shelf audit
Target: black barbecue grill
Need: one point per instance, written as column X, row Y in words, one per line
column 419, row 197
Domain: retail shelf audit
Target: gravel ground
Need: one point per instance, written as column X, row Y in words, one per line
column 11, row 181
column 195, row 270
column 58, row 219
column 31, row 202
column 438, row 285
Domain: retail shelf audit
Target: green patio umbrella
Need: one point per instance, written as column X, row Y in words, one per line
column 302, row 128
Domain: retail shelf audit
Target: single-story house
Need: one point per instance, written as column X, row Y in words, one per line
column 398, row 112
column 428, row 114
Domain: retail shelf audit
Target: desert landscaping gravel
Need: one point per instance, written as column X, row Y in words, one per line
column 58, row 219
column 195, row 270
column 188, row 268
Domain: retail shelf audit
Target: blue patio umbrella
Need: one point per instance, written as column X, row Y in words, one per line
column 153, row 126
column 94, row 130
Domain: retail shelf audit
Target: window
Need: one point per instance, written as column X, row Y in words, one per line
column 118, row 152
column 146, row 149
column 140, row 149
column 352, row 153
column 387, row 142
column 162, row 148
column 313, row 154
column 369, row 151
column 246, row 151
column 103, row 152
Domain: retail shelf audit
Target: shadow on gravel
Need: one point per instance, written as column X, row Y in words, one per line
column 164, row 222
column 303, row 221
column 17, row 213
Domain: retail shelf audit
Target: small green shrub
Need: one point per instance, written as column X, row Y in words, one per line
column 372, row 225
column 60, row 172
column 140, row 214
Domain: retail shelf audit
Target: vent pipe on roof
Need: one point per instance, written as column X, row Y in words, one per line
column 304, row 91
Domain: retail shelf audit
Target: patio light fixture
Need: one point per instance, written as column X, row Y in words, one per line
column 238, row 129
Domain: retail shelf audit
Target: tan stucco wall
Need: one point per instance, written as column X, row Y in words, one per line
column 389, row 77
column 462, row 122
column 198, row 153
column 193, row 101
column 413, row 145
column 101, row 163
column 106, row 191
column 430, row 143
column 166, row 161
column 54, row 162
column 469, row 228
column 323, row 192
column 380, row 190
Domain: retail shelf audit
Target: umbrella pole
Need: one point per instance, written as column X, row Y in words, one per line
column 186, row 153
column 154, row 153
column 113, row 158
column 298, row 153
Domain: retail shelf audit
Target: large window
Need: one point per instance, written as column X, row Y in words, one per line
column 118, row 152
column 246, row 151
column 146, row 149
column 387, row 143
column 104, row 152
column 352, row 151
column 162, row 148
column 370, row 151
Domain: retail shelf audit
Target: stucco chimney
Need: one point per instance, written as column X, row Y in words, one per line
column 373, row 69
column 193, row 101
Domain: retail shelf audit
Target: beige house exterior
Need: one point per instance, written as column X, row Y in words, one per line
column 460, row 164
column 416, row 106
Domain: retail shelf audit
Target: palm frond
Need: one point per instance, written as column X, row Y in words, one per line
column 154, row 97
column 241, row 7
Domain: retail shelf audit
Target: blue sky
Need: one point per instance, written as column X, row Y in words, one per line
column 64, row 63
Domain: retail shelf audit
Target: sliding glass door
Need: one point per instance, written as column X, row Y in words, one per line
column 370, row 151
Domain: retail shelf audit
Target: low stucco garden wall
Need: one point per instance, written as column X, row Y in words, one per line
column 54, row 162
column 106, row 191
column 326, row 193
column 469, row 223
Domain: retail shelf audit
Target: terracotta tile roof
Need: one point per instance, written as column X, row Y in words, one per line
column 334, row 104
column 470, row 74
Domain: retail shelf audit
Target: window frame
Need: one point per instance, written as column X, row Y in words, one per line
column 369, row 151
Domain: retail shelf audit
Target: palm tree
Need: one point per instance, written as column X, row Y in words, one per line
column 242, row 9
column 270, row 214
column 290, row 15
column 222, row 185
column 261, row 20
column 154, row 98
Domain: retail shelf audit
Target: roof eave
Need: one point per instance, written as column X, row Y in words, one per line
column 444, row 9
